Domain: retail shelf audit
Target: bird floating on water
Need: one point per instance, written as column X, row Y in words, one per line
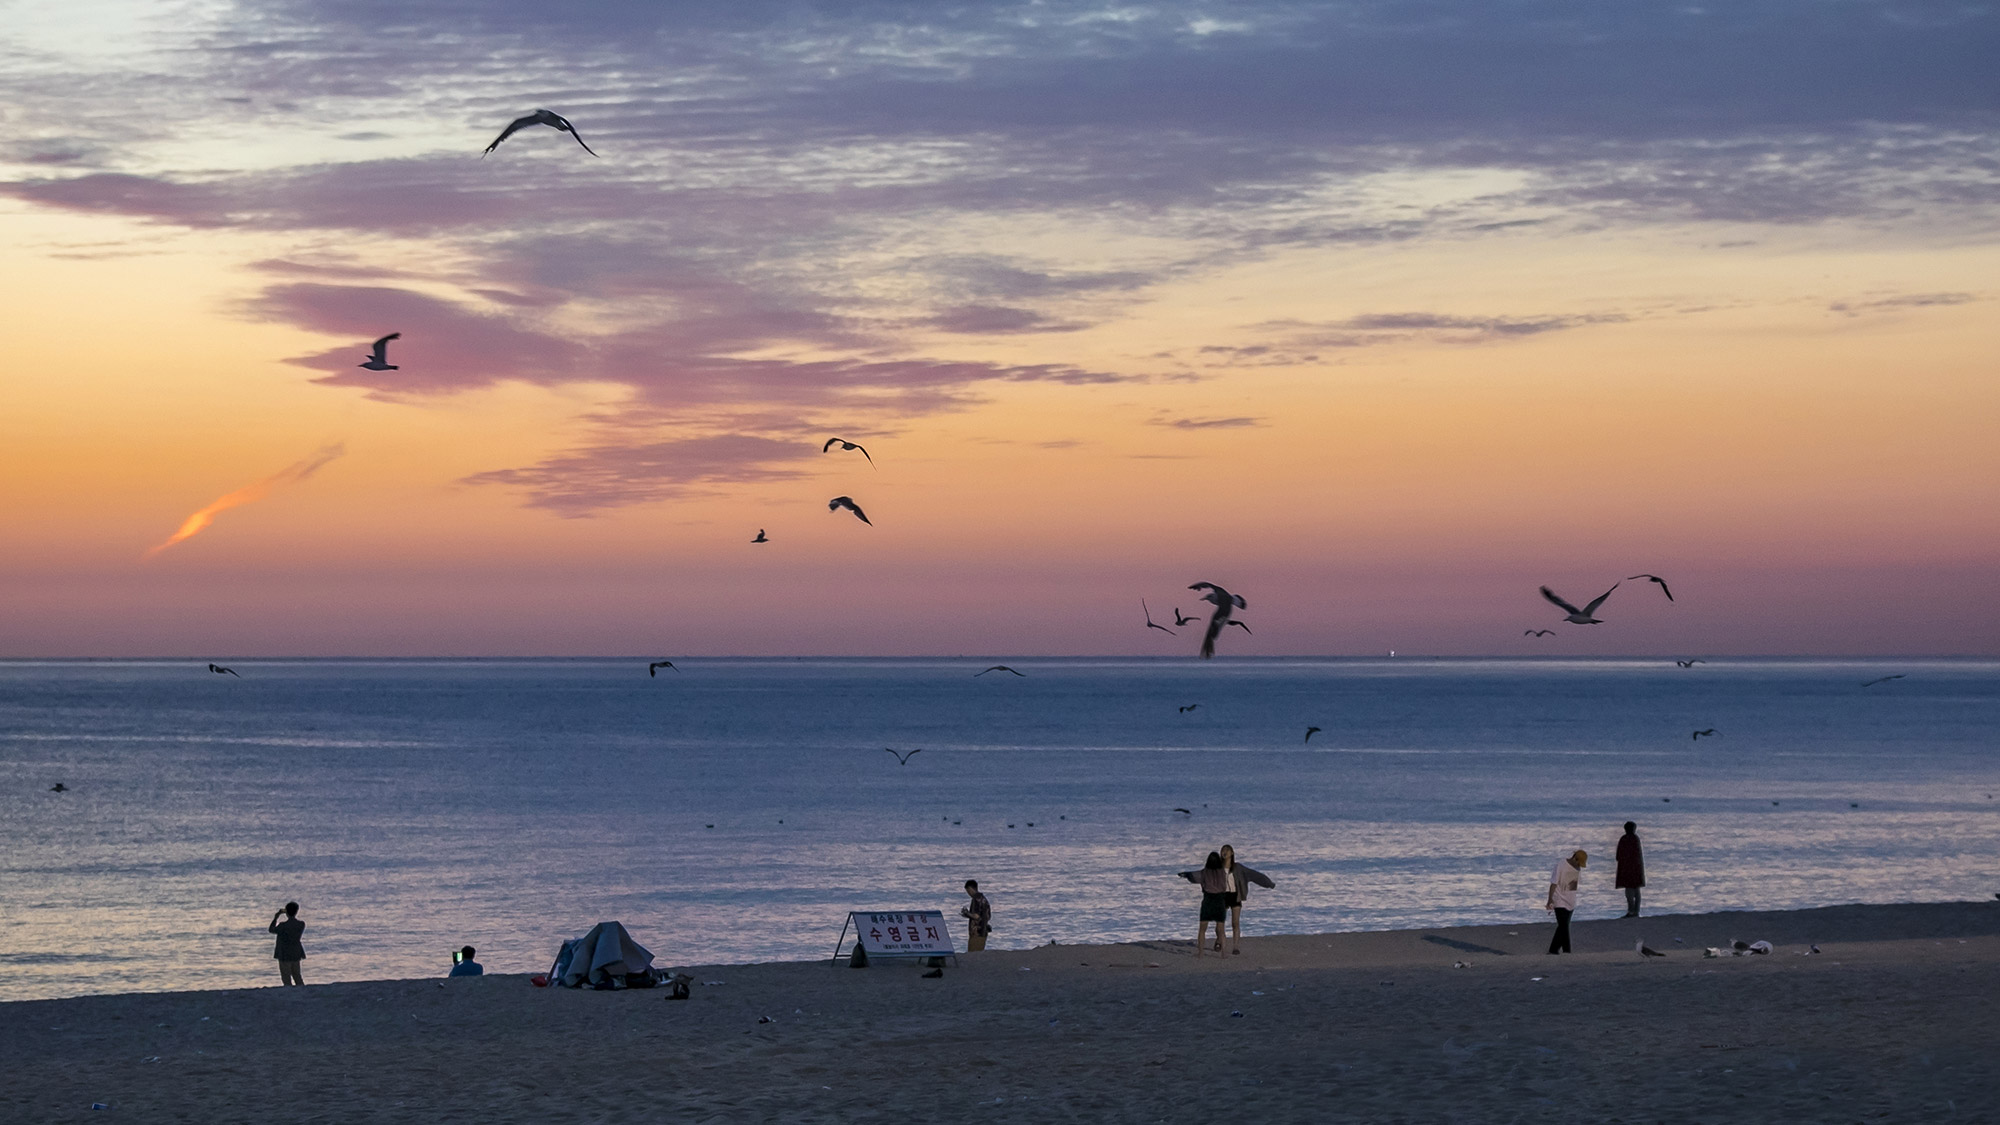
column 761, row 537
column 1224, row 602
column 1585, row 616
column 221, row 671
column 997, row 668
column 1654, row 578
column 547, row 117
column 846, row 447
column 653, row 669
column 904, row 759
column 378, row 355
column 1150, row 623
column 839, row 502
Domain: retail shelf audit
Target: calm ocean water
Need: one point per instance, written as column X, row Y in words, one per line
column 736, row 809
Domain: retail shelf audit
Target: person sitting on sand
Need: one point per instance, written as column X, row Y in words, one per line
column 1240, row 878
column 465, row 966
column 978, row 915
column 1562, row 896
column 289, row 951
column 1213, row 879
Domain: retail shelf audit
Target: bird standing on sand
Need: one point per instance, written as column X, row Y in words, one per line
column 547, row 117
column 761, row 537
column 1224, row 602
column 1150, row 623
column 1701, row 734
column 221, row 671
column 846, row 447
column 1585, row 616
column 653, row 669
column 1310, row 731
column 378, row 356
column 997, row 668
column 1647, row 951
column 1656, row 579
column 904, row 759
column 839, row 502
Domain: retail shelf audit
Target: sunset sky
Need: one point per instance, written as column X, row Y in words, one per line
column 1380, row 313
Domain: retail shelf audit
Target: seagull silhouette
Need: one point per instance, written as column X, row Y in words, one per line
column 1190, row 812
column 378, row 356
column 58, row 787
column 1224, row 602
column 220, row 671
column 1241, row 626
column 1883, row 680
column 1689, row 663
column 547, row 117
column 1538, row 632
column 653, row 669
column 1310, row 731
column 846, row 447
column 839, row 502
column 904, row 759
column 1700, row 734
column 761, row 537
column 1647, row 951
column 1585, row 616
column 1189, row 707
column 1654, row 578
column 1150, row 624
column 997, row 668
column 1182, row 619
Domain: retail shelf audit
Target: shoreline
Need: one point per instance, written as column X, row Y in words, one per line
column 1886, row 1021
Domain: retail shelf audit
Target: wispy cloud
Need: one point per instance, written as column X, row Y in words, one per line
column 290, row 474
column 1207, row 423
column 1904, row 301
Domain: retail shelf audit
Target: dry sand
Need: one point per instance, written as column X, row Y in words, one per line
column 1897, row 1020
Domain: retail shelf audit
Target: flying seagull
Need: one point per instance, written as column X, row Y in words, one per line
column 1538, row 632
column 1180, row 618
column 1654, row 578
column 839, row 502
column 1647, row 951
column 378, row 356
column 220, row 671
column 1883, row 680
column 1689, row 663
column 58, row 787
column 1190, row 812
column 1150, row 624
column 653, row 669
column 997, row 668
column 1310, row 731
column 1189, row 707
column 1585, row 616
column 904, row 759
column 846, row 447
column 1698, row 735
column 547, row 117
column 761, row 537
column 1240, row 625
column 1224, row 602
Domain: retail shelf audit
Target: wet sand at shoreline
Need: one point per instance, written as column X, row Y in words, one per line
column 1895, row 1020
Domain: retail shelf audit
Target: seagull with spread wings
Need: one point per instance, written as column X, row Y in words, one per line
column 547, row 117
column 839, row 502
column 904, row 759
column 1182, row 619
column 378, row 355
column 1883, row 680
column 846, row 447
column 653, row 669
column 1654, row 578
column 1310, row 731
column 1585, row 616
column 221, row 671
column 1150, row 623
column 997, row 668
column 1224, row 602
column 1538, row 632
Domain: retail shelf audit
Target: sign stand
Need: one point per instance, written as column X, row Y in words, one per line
column 898, row 933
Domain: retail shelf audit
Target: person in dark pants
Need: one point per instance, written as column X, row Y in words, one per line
column 1213, row 879
column 1562, row 896
column 289, row 951
column 1631, row 868
column 978, row 915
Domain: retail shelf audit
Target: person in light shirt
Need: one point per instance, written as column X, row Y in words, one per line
column 1562, row 896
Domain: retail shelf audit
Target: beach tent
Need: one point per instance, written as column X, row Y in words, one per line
column 605, row 956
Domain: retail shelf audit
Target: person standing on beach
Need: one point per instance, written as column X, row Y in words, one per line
column 289, row 952
column 1562, row 896
column 1240, row 878
column 1631, row 868
column 1213, row 879
column 978, row 915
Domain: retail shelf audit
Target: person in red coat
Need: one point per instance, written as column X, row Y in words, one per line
column 1631, row 868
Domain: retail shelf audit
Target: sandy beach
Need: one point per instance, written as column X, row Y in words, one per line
column 1895, row 1020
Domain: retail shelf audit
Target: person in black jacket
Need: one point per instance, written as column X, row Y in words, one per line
column 1215, row 896
column 1631, row 868
column 288, row 950
column 1240, row 878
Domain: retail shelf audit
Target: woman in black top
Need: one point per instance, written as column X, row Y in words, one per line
column 1215, row 896
column 289, row 952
